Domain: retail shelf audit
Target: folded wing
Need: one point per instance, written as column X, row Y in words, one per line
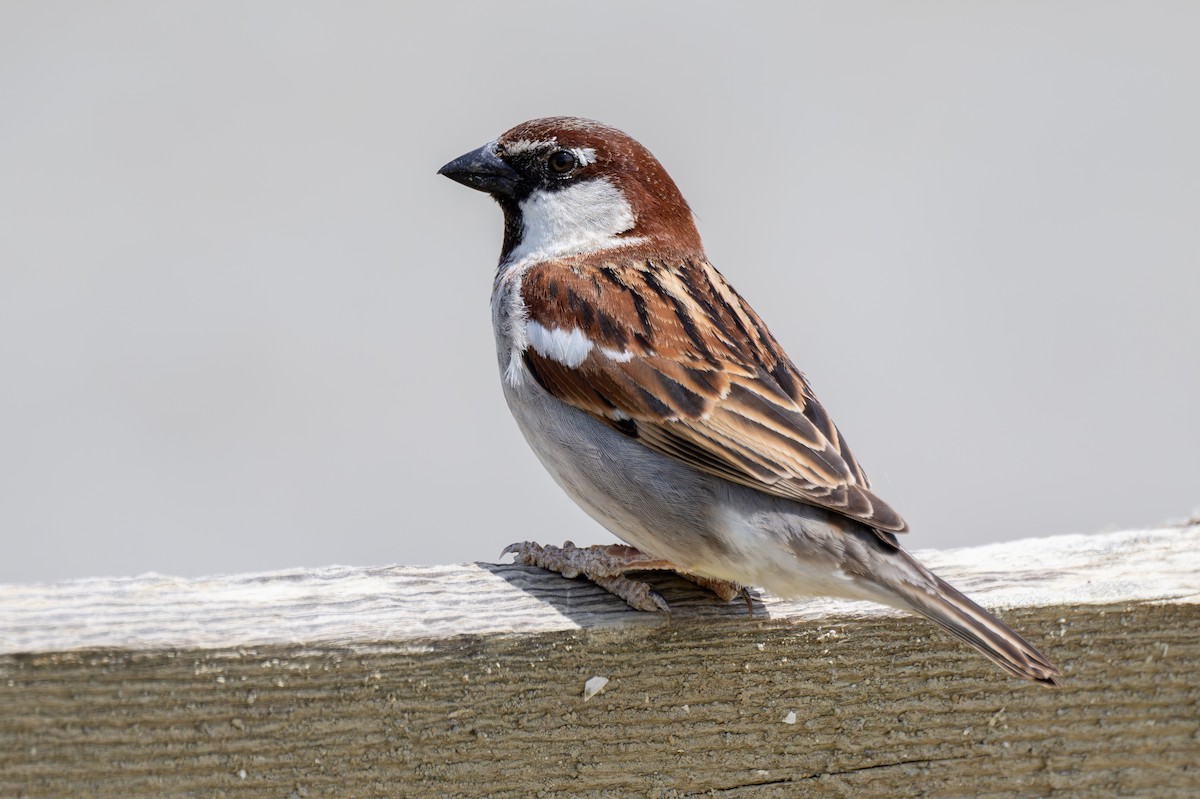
column 670, row 354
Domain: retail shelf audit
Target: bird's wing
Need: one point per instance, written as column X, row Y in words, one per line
column 670, row 354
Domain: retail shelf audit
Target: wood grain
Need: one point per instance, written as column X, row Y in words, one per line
column 883, row 705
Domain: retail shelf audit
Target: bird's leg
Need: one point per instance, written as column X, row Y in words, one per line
column 606, row 566
column 723, row 588
column 603, row 565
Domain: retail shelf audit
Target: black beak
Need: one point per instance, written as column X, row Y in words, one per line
column 482, row 170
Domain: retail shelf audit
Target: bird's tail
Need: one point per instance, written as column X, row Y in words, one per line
column 947, row 607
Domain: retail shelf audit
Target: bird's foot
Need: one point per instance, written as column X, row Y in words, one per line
column 606, row 566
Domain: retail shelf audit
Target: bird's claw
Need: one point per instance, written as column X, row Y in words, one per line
column 606, row 566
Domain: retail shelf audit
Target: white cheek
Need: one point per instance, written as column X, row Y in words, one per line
column 568, row 347
column 581, row 218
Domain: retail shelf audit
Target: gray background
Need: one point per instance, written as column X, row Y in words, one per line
column 243, row 325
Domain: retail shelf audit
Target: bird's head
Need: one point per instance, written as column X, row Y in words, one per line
column 571, row 186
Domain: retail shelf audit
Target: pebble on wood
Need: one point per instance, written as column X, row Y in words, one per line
column 593, row 687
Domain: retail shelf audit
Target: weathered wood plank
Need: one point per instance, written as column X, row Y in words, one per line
column 342, row 606
column 373, row 705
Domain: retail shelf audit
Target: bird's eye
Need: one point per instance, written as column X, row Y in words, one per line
column 561, row 162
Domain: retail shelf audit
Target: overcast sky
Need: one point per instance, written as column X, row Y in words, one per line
column 244, row 326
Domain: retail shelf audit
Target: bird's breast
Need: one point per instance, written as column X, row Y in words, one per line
column 509, row 321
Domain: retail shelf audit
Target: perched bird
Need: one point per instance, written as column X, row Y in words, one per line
column 659, row 401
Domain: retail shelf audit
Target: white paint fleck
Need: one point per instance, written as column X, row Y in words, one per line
column 790, row 718
column 568, row 347
column 593, row 686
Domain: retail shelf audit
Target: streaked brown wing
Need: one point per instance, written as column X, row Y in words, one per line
column 682, row 363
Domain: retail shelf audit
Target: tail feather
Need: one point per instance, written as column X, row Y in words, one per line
column 947, row 607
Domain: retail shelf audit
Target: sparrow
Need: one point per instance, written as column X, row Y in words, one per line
column 659, row 401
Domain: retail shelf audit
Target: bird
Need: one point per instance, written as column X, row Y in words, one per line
column 660, row 402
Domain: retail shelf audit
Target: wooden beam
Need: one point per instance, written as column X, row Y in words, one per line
column 469, row 681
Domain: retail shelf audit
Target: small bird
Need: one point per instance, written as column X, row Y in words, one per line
column 659, row 401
